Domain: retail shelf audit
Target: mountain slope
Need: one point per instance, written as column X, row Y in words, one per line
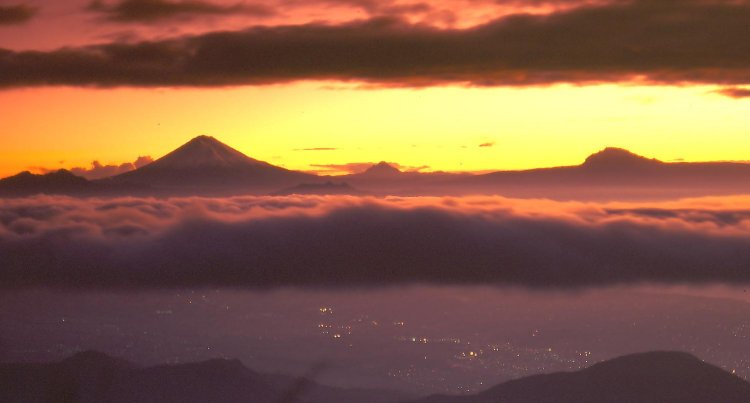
column 656, row 377
column 58, row 182
column 381, row 169
column 204, row 164
column 94, row 377
column 618, row 159
column 611, row 174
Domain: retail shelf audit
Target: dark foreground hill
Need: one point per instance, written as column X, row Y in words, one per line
column 657, row 377
column 58, row 182
column 64, row 182
column 92, row 377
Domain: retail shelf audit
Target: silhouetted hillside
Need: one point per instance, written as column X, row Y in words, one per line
column 618, row 159
column 657, row 377
column 92, row 377
column 58, row 182
column 61, row 182
column 613, row 173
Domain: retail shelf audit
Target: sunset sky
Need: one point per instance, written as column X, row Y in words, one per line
column 382, row 281
column 456, row 85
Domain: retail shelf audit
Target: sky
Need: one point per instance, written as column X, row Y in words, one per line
column 453, row 85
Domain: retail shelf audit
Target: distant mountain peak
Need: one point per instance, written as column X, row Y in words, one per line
column 204, row 151
column 63, row 173
column 205, row 165
column 382, row 168
column 617, row 158
column 59, row 177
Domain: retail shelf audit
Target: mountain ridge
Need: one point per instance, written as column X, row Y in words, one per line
column 96, row 377
column 204, row 166
column 611, row 158
column 652, row 377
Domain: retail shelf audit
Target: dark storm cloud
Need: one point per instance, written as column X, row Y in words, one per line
column 266, row 241
column 16, row 14
column 155, row 10
column 662, row 41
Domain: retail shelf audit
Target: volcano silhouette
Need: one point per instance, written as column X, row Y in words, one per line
column 381, row 169
column 206, row 164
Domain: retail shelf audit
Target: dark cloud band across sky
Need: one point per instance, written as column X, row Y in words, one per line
column 266, row 241
column 659, row 42
column 157, row 10
column 737, row 93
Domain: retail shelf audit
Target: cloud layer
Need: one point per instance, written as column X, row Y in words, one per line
column 736, row 93
column 270, row 241
column 664, row 41
column 157, row 10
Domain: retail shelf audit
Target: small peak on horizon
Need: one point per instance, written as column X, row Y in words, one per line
column 382, row 168
column 616, row 157
column 59, row 173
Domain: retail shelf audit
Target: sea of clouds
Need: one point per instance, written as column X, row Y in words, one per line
column 344, row 241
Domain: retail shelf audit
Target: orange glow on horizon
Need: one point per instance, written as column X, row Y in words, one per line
column 302, row 125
